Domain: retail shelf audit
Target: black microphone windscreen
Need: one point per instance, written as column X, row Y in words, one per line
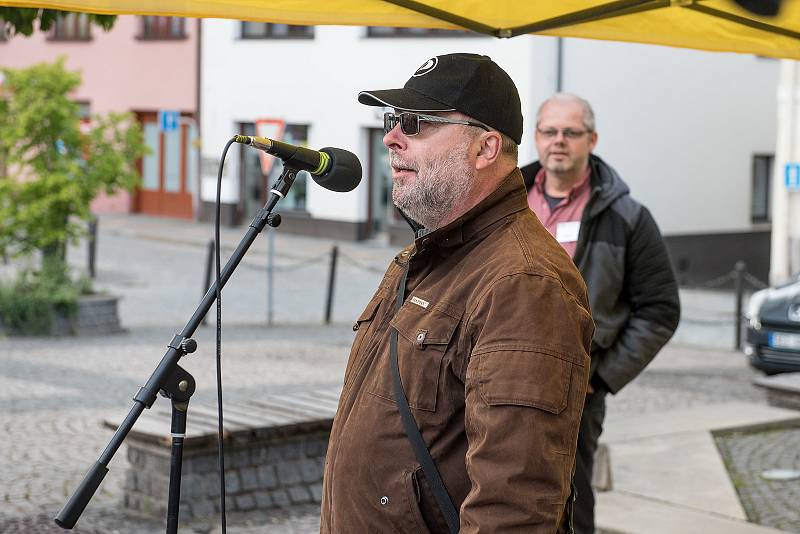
column 344, row 173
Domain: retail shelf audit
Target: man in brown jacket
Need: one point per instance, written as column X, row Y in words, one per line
column 484, row 319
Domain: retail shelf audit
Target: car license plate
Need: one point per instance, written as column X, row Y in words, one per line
column 784, row 341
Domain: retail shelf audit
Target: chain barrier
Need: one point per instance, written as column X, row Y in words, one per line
column 360, row 265
column 322, row 258
column 718, row 282
column 738, row 278
column 708, row 322
column 328, row 257
column 754, row 282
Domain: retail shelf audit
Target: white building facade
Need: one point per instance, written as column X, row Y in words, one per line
column 692, row 133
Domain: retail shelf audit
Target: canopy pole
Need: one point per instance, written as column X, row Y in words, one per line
column 605, row 11
column 447, row 16
column 758, row 25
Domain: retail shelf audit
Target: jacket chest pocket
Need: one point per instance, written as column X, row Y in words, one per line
column 363, row 327
column 424, row 335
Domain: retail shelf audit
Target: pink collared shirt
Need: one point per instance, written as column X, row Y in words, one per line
column 564, row 221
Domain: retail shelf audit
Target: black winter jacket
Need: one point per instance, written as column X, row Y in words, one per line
column 625, row 264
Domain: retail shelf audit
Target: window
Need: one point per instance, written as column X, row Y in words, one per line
column 390, row 31
column 71, row 27
column 381, row 212
column 160, row 28
column 266, row 30
column 255, row 186
column 762, row 169
column 84, row 109
column 294, row 134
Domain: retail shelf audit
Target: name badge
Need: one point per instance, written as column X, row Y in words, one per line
column 567, row 232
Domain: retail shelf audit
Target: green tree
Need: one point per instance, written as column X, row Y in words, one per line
column 21, row 19
column 52, row 169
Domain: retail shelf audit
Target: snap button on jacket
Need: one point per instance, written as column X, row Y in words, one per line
column 494, row 367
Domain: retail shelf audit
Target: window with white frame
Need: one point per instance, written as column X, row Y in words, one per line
column 71, row 27
column 267, row 30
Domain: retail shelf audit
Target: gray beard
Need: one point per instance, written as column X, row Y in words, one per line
column 441, row 184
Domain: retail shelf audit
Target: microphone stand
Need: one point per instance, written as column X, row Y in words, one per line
column 172, row 380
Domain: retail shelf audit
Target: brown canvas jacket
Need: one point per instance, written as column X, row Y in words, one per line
column 493, row 349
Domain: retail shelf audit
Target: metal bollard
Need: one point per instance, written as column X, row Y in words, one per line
column 739, row 271
column 207, row 276
column 92, row 245
column 331, row 280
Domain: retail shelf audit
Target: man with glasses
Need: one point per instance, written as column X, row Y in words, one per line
column 619, row 250
column 464, row 388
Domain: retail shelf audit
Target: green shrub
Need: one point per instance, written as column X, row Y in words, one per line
column 28, row 305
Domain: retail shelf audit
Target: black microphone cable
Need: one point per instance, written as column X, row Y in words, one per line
column 221, row 446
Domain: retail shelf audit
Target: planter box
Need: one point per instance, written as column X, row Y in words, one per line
column 274, row 455
column 95, row 315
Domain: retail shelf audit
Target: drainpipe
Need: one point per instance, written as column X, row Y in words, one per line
column 559, row 63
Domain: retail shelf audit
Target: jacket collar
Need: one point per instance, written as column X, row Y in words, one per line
column 508, row 198
column 607, row 185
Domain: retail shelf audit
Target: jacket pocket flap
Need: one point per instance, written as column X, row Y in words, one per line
column 423, row 327
column 535, row 378
column 372, row 308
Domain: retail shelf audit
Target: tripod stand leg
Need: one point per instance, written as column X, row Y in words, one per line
column 176, row 461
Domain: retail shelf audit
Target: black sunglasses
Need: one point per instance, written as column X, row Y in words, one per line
column 410, row 122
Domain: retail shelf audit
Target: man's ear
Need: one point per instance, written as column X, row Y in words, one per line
column 592, row 141
column 489, row 146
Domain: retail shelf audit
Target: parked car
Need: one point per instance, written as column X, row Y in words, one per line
column 773, row 329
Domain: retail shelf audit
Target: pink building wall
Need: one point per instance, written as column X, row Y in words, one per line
column 120, row 72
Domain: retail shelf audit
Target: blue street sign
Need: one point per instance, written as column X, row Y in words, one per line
column 791, row 176
column 168, row 120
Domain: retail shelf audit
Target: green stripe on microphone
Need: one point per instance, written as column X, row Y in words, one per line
column 324, row 160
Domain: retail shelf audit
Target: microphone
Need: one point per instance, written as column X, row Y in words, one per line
column 332, row 168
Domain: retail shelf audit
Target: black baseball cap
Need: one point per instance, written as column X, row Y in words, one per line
column 469, row 83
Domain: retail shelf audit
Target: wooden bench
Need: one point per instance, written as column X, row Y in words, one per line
column 274, row 454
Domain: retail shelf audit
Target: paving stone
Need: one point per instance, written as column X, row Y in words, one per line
column 232, row 482
column 249, row 477
column 316, row 492
column 299, row 494
column 316, row 447
column 290, row 451
column 280, row 498
column 267, row 477
column 245, row 502
column 289, row 473
column 263, row 500
column 202, row 508
column 311, row 470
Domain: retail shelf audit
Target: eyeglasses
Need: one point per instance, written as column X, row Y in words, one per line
column 568, row 133
column 410, row 122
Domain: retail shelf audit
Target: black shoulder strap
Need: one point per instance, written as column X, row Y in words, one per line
column 417, row 443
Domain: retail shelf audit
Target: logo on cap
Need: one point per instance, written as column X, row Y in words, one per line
column 427, row 67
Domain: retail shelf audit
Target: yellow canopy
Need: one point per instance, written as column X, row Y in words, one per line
column 718, row 25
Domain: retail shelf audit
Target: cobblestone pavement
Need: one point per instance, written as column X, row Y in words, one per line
column 54, row 392
column 747, row 455
column 686, row 377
